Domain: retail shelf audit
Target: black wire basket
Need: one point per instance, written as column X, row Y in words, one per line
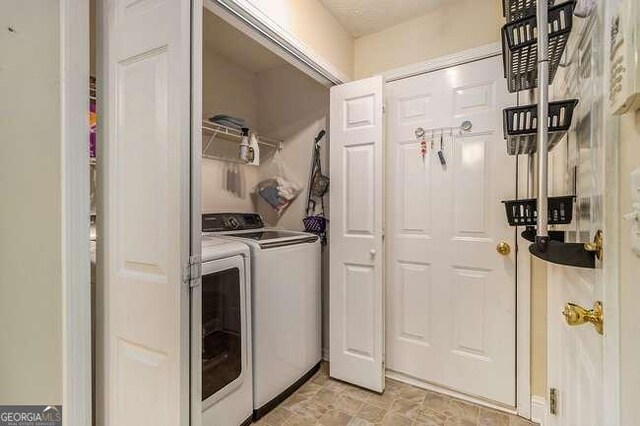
column 525, row 212
column 520, row 46
column 520, row 125
column 518, row 9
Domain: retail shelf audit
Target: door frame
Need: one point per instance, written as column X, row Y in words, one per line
column 523, row 266
column 76, row 289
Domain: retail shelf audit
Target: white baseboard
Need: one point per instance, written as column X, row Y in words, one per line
column 538, row 410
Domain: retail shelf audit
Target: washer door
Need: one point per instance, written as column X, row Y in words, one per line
column 219, row 331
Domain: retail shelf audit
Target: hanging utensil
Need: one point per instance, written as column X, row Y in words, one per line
column 443, row 161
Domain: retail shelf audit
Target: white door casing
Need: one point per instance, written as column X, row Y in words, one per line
column 356, row 229
column 144, row 225
column 451, row 316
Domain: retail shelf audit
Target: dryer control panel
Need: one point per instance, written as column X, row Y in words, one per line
column 219, row 222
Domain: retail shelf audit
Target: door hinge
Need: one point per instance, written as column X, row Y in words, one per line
column 384, row 108
column 193, row 271
column 553, row 401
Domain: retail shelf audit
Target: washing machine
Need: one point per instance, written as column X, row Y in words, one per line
column 286, row 303
column 222, row 367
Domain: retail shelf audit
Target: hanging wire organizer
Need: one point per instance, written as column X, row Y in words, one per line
column 211, row 131
column 462, row 130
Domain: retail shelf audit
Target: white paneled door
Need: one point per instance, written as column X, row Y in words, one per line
column 451, row 296
column 357, row 250
column 143, row 376
column 579, row 371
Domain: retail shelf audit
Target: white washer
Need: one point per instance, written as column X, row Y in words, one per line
column 222, row 368
column 286, row 309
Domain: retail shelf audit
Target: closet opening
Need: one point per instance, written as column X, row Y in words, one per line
column 247, row 86
column 263, row 128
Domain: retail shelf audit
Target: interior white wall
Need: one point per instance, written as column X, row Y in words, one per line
column 227, row 89
column 453, row 27
column 312, row 25
column 294, row 108
column 280, row 102
column 31, row 193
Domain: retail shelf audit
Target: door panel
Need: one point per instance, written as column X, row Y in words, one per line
column 357, row 299
column 144, row 221
column 451, row 312
column 576, row 367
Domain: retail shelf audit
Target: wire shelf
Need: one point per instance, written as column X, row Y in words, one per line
column 520, row 46
column 521, row 125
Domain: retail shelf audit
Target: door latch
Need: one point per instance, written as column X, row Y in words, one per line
column 553, row 401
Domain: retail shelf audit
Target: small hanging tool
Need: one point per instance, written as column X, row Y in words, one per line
column 441, row 152
column 422, row 141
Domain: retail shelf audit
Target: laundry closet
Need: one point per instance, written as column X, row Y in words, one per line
column 257, row 313
column 282, row 106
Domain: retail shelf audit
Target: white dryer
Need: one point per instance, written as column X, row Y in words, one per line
column 221, row 355
column 286, row 308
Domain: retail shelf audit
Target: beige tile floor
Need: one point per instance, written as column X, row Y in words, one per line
column 327, row 402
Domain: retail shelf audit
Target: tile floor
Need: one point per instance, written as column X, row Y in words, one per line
column 327, row 402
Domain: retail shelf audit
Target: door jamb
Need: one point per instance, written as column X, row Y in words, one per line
column 76, row 289
column 523, row 268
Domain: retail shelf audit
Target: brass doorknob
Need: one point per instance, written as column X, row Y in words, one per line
column 577, row 315
column 503, row 248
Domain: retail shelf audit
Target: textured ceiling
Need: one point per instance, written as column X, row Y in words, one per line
column 362, row 17
column 235, row 46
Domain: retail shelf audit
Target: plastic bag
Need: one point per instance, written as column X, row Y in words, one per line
column 277, row 187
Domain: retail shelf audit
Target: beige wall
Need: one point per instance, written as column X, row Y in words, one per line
column 629, row 276
column 456, row 26
column 30, row 212
column 313, row 25
column 538, row 327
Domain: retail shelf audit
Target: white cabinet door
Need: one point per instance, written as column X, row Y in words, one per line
column 451, row 296
column 357, row 251
column 144, row 216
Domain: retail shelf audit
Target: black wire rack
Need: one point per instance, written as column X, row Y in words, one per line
column 521, row 125
column 520, row 46
column 514, row 10
column 525, row 212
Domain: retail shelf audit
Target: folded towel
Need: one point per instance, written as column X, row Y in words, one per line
column 228, row 121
